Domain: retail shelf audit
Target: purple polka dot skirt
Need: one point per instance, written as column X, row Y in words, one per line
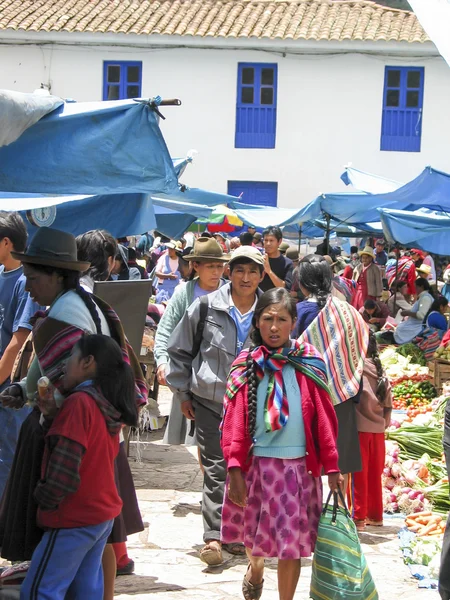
column 282, row 513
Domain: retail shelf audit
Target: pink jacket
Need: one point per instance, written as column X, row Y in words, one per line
column 319, row 419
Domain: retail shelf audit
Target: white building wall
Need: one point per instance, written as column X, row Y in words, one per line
column 329, row 111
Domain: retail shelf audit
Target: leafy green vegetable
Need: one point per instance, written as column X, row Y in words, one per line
column 416, row 354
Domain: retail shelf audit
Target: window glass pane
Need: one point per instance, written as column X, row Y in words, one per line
column 133, row 91
column 267, row 76
column 412, row 99
column 413, row 79
column 113, row 73
column 247, row 95
column 133, row 74
column 113, row 92
column 267, row 95
column 248, row 76
column 393, row 78
column 392, row 98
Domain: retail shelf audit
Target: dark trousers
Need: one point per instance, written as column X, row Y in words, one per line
column 444, row 574
column 208, row 439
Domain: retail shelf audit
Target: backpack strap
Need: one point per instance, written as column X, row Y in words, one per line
column 200, row 325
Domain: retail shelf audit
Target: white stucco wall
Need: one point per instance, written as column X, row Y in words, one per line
column 329, row 111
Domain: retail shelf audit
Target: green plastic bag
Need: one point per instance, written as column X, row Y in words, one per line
column 339, row 569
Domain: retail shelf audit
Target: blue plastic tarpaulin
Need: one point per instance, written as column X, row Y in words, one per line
column 431, row 189
column 90, row 148
column 120, row 214
column 427, row 230
column 368, row 183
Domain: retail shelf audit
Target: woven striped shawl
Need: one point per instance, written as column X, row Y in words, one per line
column 341, row 336
column 53, row 341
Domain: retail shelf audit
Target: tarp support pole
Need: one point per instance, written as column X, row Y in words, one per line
column 397, row 253
column 300, row 239
column 327, row 235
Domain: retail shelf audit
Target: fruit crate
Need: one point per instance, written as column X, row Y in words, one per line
column 439, row 371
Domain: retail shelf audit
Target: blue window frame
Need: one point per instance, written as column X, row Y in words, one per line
column 256, row 106
column 255, row 192
column 122, row 80
column 401, row 128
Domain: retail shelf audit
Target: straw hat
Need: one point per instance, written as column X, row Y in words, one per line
column 425, row 269
column 52, row 248
column 367, row 250
column 207, row 249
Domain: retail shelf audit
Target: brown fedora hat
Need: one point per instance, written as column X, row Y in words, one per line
column 207, row 249
column 52, row 248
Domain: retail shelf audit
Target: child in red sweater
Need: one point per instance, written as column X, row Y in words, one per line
column 279, row 429
column 77, row 494
column 373, row 416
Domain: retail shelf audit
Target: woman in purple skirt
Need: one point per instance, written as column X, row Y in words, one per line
column 279, row 430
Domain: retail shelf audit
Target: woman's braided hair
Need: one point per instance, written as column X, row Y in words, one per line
column 315, row 275
column 372, row 352
column 273, row 296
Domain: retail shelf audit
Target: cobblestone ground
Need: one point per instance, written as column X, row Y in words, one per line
column 168, row 482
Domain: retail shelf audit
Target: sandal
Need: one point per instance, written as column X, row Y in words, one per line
column 251, row 591
column 374, row 523
column 211, row 553
column 237, row 549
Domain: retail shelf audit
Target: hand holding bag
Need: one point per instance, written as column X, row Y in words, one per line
column 339, row 569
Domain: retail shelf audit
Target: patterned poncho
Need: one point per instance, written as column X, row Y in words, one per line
column 341, row 336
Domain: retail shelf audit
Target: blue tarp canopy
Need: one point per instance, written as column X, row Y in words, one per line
column 90, row 148
column 120, row 214
column 431, row 189
column 427, row 230
column 369, row 183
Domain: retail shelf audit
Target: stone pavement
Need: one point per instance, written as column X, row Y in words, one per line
column 168, row 482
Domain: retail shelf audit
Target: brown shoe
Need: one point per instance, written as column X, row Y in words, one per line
column 211, row 553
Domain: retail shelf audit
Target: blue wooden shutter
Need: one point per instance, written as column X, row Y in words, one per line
column 256, row 106
column 122, row 80
column 401, row 128
column 255, row 192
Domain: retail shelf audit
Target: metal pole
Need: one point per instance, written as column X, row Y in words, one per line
column 397, row 252
column 299, row 239
column 327, row 235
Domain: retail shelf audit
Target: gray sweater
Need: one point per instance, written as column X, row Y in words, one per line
column 204, row 376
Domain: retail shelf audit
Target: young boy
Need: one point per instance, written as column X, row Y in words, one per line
column 16, row 309
column 278, row 268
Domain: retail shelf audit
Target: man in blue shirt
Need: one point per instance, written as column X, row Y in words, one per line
column 15, row 312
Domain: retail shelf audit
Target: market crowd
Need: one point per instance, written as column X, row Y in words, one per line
column 273, row 362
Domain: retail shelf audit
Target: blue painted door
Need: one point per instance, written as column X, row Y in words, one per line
column 255, row 192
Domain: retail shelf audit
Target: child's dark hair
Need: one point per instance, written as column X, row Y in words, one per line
column 114, row 376
column 316, row 276
column 95, row 247
column 273, row 296
column 13, row 227
column 372, row 352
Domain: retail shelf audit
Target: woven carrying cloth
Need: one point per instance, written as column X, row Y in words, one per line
column 341, row 337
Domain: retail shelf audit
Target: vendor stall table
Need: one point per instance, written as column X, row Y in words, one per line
column 439, row 371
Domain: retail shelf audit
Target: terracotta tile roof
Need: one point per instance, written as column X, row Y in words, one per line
column 335, row 20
